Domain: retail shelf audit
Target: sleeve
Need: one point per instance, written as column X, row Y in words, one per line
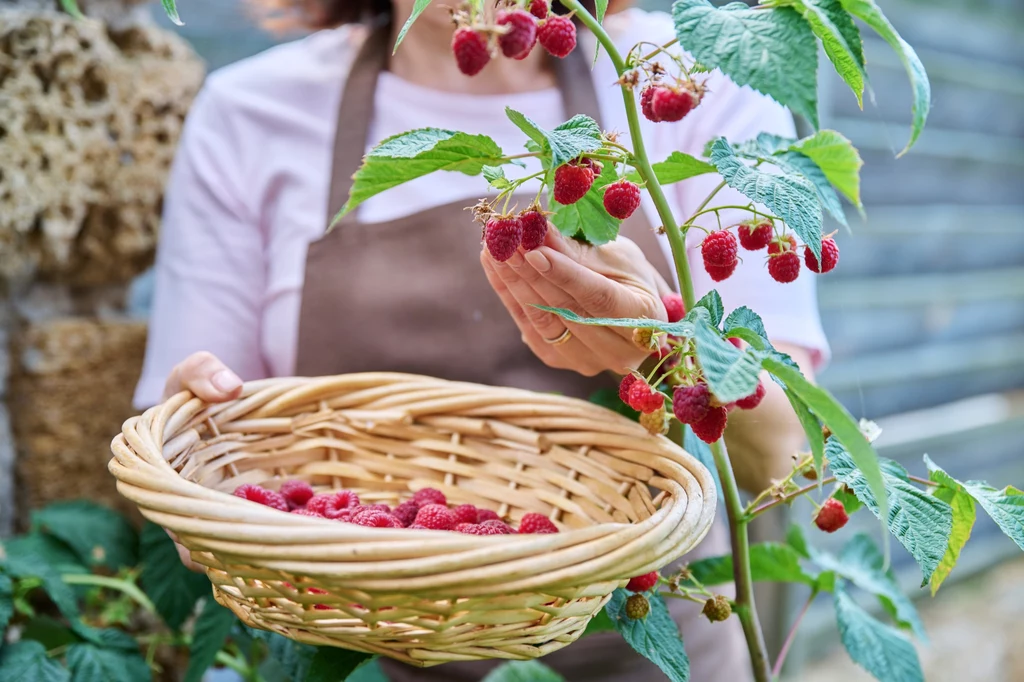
column 210, row 266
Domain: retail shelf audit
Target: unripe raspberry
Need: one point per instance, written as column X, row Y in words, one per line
column 646, row 103
column 712, row 426
column 522, row 33
column 642, row 583
column 754, row 399
column 672, row 104
column 754, row 236
column 539, row 9
column 471, row 51
column 717, row 609
column 674, row 306
column 535, row 228
column 781, row 244
column 557, row 35
column 637, row 607
column 719, row 249
column 435, row 517
column 655, row 422
column 643, row 338
column 536, row 524
column 785, row 267
column 624, row 386
column 690, row 404
column 832, row 516
column 429, row 496
column 465, row 513
column 829, row 256
column 297, row 493
column 572, row 182
column 621, row 199
column 502, row 235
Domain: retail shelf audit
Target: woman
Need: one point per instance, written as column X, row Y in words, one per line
column 248, row 286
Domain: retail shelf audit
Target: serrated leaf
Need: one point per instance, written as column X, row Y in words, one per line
column 920, row 522
column 769, row 562
column 566, row 141
column 772, row 51
column 743, row 323
column 523, row 671
column 953, row 493
column 172, row 12
column 676, row 168
column 588, row 214
column 417, row 10
column 1006, row 507
column 411, row 155
column 292, row 658
column 330, row 664
column 39, row 556
column 211, row 629
column 702, row 451
column 797, row 163
column 655, row 637
column 26, row 661
column 6, row 601
column 745, row 318
column 89, row 663
column 797, row 539
column 837, row 158
column 173, row 589
column 868, row 12
column 836, row 30
column 789, row 196
column 731, row 373
column 99, row 536
column 878, row 648
column 712, row 303
column 681, row 328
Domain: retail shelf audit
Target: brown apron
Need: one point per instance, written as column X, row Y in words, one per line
column 409, row 295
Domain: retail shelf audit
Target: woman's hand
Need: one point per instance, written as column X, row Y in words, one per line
column 210, row 380
column 612, row 280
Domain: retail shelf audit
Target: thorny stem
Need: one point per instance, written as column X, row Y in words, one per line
column 791, row 637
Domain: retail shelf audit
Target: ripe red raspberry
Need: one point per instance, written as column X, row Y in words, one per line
column 754, row 236
column 832, row 516
column 297, row 493
column 522, row 33
column 646, row 99
column 720, row 274
column 479, row 529
column 302, row 511
column 642, row 583
column 502, row 235
column 539, row 9
column 319, row 607
column 429, row 496
column 558, row 36
column 471, row 50
column 334, row 505
column 654, row 422
column 417, row 526
column 487, row 515
column 406, row 513
column 465, row 513
column 637, row 607
column 712, row 426
column 639, row 394
column 829, row 256
column 690, row 404
column 536, row 524
column 621, row 199
column 535, row 228
column 435, row 517
column 624, row 386
column 719, row 250
column 717, row 609
column 784, row 267
column 674, row 307
column 497, row 527
column 652, row 402
column 781, row 244
column 374, row 518
column 261, row 495
column 752, row 400
column 572, row 182
column 672, row 104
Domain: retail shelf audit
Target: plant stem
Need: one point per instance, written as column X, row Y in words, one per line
column 791, row 637
column 124, row 586
column 237, row 664
column 786, row 498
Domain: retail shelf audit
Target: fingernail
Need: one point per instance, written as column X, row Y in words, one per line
column 538, row 260
column 226, row 380
column 516, row 260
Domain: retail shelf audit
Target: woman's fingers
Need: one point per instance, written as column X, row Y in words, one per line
column 204, row 375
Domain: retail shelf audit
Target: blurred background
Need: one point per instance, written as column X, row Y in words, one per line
column 925, row 313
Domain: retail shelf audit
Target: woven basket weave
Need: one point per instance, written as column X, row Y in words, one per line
column 626, row 503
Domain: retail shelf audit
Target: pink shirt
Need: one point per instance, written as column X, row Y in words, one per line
column 248, row 193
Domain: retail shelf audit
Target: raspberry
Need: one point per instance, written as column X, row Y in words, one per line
column 418, row 526
column 646, row 97
column 717, row 609
column 378, row 507
column 624, row 386
column 302, row 511
column 642, row 583
column 539, row 9
column 643, row 398
column 752, row 400
column 712, row 426
column 334, row 505
column 536, row 524
column 259, row 494
column 719, row 250
column 832, row 516
column 435, row 517
column 781, row 244
column 652, row 402
column 487, row 515
column 471, row 51
column 572, row 182
column 736, row 342
column 479, row 529
column 621, row 199
column 720, row 274
column 535, row 228
column 829, row 256
column 297, row 493
column 406, row 513
column 637, row 607
column 374, row 518
column 429, row 496
column 643, row 338
column 754, row 236
column 672, row 104
column 654, row 422
column 522, row 33
column 497, row 526
column 785, row 267
column 674, row 306
column 690, row 404
column 465, row 513
column 558, row 36
column 502, row 235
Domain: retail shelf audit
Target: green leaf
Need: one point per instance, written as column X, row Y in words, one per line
column 797, row 539
column 837, row 158
column 26, row 661
column 6, row 601
column 681, row 328
column 878, row 648
column 868, row 12
column 588, row 214
column 745, row 318
column 71, row 7
column 789, row 196
column 89, row 663
column 702, row 451
column 495, row 177
column 211, row 629
column 812, row 429
column 836, row 30
column 711, row 302
column 846, row 498
column 172, row 12
column 655, row 637
column 920, row 522
column 99, row 536
column 953, row 493
column 771, row 562
column 731, row 373
column 291, row 658
column 523, row 671
column 566, row 142
column 369, row 671
column 676, row 168
column 38, row 556
column 772, row 51
column 417, row 10
column 330, row 664
column 173, row 588
column 1006, row 507
column 601, row 622
column 411, row 155
column 797, row 163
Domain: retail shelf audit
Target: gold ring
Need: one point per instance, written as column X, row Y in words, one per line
column 562, row 338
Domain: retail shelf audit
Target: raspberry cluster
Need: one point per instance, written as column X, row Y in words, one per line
column 505, row 233
column 696, row 406
column 515, row 33
column 721, row 256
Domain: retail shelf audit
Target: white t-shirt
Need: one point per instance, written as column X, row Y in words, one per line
column 248, row 192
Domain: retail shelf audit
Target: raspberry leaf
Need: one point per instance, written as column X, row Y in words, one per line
column 840, row 38
column 211, row 629
column 71, row 7
column 98, row 536
column 6, row 601
column 172, row 12
column 878, row 648
column 712, row 303
column 566, row 141
column 588, row 215
column 681, row 328
column 799, row 164
column 655, row 637
column 523, row 671
column 676, row 168
column 329, row 664
column 417, row 10
column 173, row 589
column 26, row 661
column 89, row 662
column 770, row 562
column 731, row 373
column 953, row 493
column 838, row 160
column 773, row 51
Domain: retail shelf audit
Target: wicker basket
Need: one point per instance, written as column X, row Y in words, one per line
column 626, row 503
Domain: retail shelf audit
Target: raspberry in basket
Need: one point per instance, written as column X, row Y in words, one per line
column 435, row 517
column 297, row 493
column 306, row 512
column 480, row 529
column 536, row 524
column 486, row 515
column 429, row 496
column 334, row 505
column 465, row 513
column 375, row 518
column 268, row 498
column 319, row 607
column 406, row 513
column 501, row 527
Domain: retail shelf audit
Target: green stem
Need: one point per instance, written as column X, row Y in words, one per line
column 751, row 515
column 239, row 665
column 124, row 586
column 716, row 209
column 791, row 637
